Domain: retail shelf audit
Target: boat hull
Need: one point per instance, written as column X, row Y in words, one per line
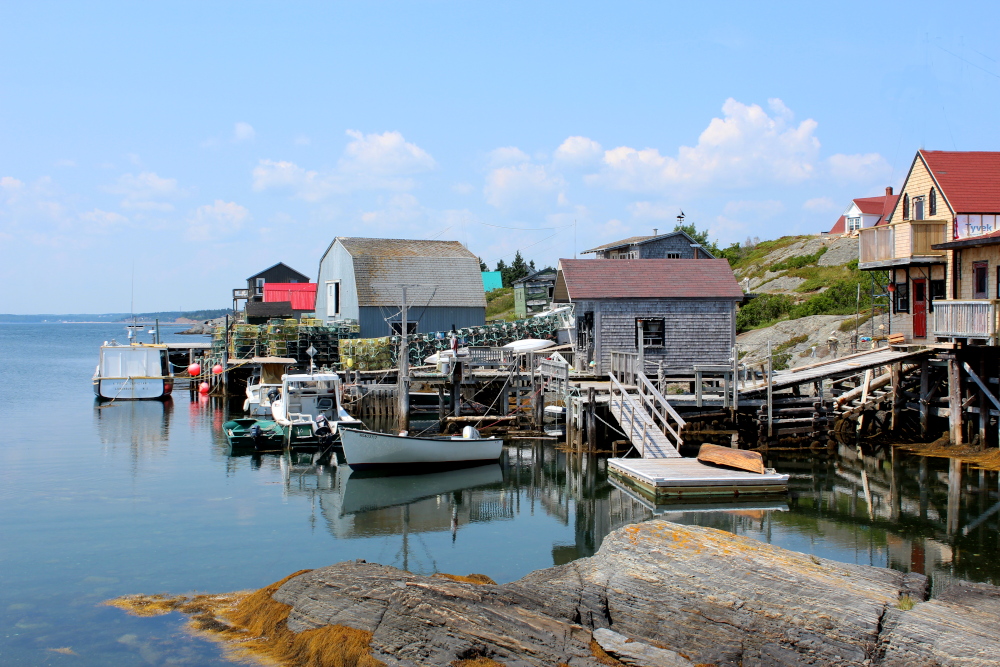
column 133, row 388
column 238, row 433
column 367, row 450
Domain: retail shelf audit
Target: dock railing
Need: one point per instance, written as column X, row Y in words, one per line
column 966, row 319
column 647, row 407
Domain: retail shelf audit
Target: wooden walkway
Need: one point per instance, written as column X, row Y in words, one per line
column 643, row 433
column 844, row 366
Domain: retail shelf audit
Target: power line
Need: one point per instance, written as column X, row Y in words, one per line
column 524, row 229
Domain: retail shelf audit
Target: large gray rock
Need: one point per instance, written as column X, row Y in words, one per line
column 678, row 593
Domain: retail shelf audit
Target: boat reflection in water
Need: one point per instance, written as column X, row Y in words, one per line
column 142, row 426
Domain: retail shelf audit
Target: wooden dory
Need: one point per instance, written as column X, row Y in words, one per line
column 740, row 459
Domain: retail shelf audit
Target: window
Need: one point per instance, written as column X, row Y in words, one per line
column 906, row 207
column 918, row 208
column 854, row 224
column 980, row 287
column 652, row 332
column 397, row 327
column 937, row 290
column 260, row 286
column 902, row 297
column 673, row 255
column 932, row 202
column 332, row 298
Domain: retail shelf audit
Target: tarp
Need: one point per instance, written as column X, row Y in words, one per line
column 492, row 280
column 301, row 295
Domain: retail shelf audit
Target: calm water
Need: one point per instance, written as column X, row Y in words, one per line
column 142, row 497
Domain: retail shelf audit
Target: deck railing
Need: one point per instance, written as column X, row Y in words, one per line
column 878, row 244
column 647, row 406
column 966, row 319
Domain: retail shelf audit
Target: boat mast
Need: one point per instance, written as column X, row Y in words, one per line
column 403, row 386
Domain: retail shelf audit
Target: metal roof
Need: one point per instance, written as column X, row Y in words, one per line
column 648, row 278
column 447, row 273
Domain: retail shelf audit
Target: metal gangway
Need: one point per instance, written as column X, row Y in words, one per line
column 646, row 417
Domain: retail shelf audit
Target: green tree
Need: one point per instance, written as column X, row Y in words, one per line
column 482, row 265
column 699, row 237
column 518, row 269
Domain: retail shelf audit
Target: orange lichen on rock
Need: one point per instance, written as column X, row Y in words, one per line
column 480, row 661
column 602, row 656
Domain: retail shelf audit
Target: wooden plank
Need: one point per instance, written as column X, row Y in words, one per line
column 740, row 459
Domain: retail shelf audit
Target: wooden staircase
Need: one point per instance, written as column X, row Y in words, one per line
column 646, row 417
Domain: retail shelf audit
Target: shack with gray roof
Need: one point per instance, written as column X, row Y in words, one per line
column 671, row 245
column 360, row 279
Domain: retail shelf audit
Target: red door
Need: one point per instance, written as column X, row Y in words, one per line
column 920, row 308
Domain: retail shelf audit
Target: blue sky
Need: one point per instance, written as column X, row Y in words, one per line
column 206, row 141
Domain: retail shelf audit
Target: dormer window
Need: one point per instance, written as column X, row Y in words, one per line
column 854, row 224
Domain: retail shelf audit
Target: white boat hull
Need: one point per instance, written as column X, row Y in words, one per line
column 133, row 388
column 366, row 450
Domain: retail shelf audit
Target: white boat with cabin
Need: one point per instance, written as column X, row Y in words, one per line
column 309, row 402
column 265, row 384
column 367, row 450
column 131, row 372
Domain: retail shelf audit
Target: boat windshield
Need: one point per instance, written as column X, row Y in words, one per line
column 312, row 386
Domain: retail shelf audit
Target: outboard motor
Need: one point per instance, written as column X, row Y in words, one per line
column 273, row 394
column 324, row 434
column 470, row 433
column 257, row 435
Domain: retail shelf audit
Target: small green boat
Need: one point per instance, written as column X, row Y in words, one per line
column 258, row 434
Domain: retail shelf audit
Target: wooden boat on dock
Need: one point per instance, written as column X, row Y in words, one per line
column 741, row 459
column 368, row 450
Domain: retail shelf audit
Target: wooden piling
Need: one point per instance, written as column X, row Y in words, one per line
column 896, row 371
column 984, row 404
column 591, row 419
column 925, row 388
column 954, row 400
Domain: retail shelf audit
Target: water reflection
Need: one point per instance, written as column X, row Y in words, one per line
column 142, row 426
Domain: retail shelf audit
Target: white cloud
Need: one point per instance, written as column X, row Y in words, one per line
column 646, row 210
column 145, row 191
column 10, row 185
column 401, row 208
column 745, row 147
column 523, row 186
column 864, row 168
column 579, row 152
column 760, row 210
column 819, row 204
column 101, row 222
column 506, row 156
column 372, row 161
column 216, row 220
column 384, row 154
column 243, row 132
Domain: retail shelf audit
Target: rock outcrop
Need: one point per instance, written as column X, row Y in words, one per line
column 656, row 593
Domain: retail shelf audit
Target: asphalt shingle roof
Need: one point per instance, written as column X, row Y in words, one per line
column 970, row 180
column 649, row 278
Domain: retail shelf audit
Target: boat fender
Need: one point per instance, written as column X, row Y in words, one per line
column 470, row 433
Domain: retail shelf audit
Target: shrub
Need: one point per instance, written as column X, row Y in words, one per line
column 762, row 310
column 799, row 261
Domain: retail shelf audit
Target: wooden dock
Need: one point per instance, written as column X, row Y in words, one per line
column 681, row 477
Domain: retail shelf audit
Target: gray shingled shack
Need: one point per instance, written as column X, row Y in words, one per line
column 671, row 245
column 359, row 278
column 682, row 312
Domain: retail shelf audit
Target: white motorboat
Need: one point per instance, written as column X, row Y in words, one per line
column 135, row 371
column 308, row 404
column 529, row 345
column 366, row 450
column 265, row 385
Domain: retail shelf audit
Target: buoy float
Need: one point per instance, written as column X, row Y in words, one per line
column 194, row 369
column 217, row 369
column 203, row 389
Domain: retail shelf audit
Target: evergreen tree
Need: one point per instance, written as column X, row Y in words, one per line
column 501, row 267
column 517, row 270
column 699, row 237
column 531, row 267
column 482, row 265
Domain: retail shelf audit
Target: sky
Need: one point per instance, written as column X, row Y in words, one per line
column 170, row 150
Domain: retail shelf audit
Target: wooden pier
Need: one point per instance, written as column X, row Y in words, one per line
column 682, row 477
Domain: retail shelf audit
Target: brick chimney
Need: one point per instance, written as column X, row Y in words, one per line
column 888, row 191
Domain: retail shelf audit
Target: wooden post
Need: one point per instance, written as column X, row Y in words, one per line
column 896, row 372
column 954, row 400
column 770, row 393
column 925, row 387
column 591, row 419
column 984, row 405
column 403, row 379
column 456, row 389
column 441, row 410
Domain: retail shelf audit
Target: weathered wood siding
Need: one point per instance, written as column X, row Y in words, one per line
column 374, row 324
column 677, row 244
column 697, row 331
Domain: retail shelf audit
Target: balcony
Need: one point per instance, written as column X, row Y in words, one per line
column 966, row 319
column 902, row 243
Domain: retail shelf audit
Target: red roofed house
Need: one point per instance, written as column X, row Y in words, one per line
column 941, row 247
column 301, row 296
column 865, row 212
column 682, row 311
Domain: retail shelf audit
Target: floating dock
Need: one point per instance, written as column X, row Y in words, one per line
column 683, row 477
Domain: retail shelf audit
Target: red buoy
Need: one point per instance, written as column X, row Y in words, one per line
column 194, row 369
column 217, row 369
column 203, row 388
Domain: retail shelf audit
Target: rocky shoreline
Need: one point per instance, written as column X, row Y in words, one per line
column 656, row 593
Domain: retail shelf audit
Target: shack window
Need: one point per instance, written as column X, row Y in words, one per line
column 652, row 332
column 397, row 327
column 937, row 290
column 260, row 286
column 673, row 255
column 980, row 282
column 902, row 297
